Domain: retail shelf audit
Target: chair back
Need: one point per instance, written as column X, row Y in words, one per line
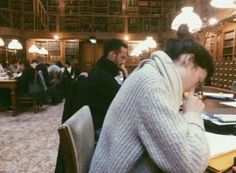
column 42, row 80
column 233, row 87
column 77, row 140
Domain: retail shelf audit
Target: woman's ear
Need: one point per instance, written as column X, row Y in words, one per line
column 187, row 60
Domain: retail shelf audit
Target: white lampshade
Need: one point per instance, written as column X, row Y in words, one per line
column 136, row 51
column 43, row 51
column 187, row 16
column 1, row 42
column 223, row 3
column 33, row 49
column 14, row 44
column 150, row 42
column 213, row 21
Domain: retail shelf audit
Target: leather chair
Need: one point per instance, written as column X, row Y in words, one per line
column 77, row 141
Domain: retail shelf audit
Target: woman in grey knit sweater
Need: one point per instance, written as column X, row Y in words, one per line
column 143, row 130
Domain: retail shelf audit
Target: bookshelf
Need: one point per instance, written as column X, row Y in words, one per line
column 53, row 47
column 85, row 24
column 52, row 22
column 154, row 16
column 210, row 44
column 86, row 6
column 116, row 24
column 71, row 48
column 100, row 24
column 101, row 16
column 101, row 6
column 115, row 7
column 144, row 24
column 228, row 45
column 134, row 25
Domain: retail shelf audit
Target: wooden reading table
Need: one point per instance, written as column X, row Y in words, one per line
column 11, row 84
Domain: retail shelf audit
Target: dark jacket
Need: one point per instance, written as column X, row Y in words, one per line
column 23, row 81
column 97, row 91
column 101, row 89
column 76, row 98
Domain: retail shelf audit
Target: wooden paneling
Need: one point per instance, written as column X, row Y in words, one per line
column 89, row 55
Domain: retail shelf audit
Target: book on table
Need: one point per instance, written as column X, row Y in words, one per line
column 222, row 150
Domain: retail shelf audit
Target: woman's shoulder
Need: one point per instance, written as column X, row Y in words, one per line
column 147, row 73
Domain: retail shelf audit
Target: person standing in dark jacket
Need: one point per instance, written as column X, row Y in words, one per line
column 98, row 89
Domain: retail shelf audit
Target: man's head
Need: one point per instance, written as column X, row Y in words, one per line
column 116, row 51
column 67, row 64
column 34, row 63
column 23, row 64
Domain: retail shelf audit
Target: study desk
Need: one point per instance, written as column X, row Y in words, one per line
column 10, row 84
column 214, row 106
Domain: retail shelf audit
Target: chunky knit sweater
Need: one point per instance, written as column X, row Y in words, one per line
column 143, row 129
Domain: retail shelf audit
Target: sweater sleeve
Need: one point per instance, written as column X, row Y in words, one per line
column 176, row 143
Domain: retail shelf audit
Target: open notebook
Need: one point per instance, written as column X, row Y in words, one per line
column 223, row 151
column 227, row 118
column 220, row 119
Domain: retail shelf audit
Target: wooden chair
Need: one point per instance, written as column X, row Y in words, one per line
column 77, row 141
column 32, row 99
column 27, row 99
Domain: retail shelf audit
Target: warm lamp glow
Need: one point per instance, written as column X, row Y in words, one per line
column 92, row 39
column 136, row 51
column 56, row 37
column 126, row 38
column 33, row 49
column 187, row 16
column 1, row 42
column 213, row 21
column 223, row 3
column 143, row 46
column 150, row 42
column 14, row 44
column 43, row 51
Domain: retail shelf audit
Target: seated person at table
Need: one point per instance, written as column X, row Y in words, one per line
column 27, row 76
column 143, row 130
column 12, row 68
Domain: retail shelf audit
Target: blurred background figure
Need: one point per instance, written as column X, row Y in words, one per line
column 27, row 76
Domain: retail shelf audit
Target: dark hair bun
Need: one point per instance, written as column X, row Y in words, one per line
column 183, row 32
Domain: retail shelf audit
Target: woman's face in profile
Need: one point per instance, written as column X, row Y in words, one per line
column 195, row 75
column 192, row 75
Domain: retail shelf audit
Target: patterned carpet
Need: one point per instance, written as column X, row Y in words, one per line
column 29, row 141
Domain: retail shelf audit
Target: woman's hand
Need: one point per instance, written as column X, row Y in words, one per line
column 193, row 103
column 124, row 70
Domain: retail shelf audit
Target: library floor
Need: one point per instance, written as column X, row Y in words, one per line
column 29, row 141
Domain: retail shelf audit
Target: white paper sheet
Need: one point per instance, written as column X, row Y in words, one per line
column 233, row 104
column 220, row 144
column 219, row 95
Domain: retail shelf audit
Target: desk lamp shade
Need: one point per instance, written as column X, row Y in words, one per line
column 1, row 42
column 14, row 44
column 223, row 3
column 187, row 16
